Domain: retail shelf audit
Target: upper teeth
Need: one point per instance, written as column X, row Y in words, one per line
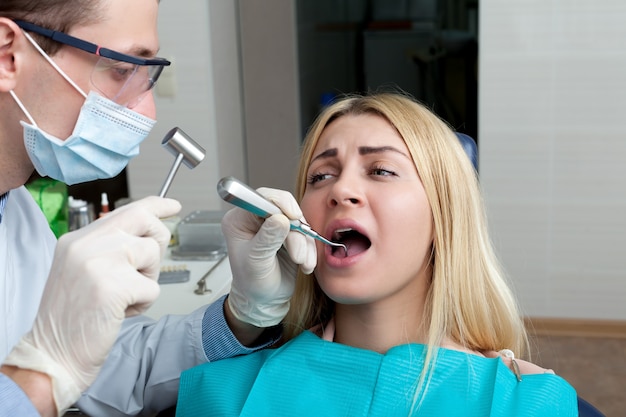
column 339, row 232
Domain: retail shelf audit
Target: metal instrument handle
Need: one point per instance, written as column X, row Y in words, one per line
column 241, row 195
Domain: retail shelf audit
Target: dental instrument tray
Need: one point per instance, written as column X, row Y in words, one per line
column 200, row 237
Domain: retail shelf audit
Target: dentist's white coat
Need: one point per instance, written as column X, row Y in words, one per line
column 146, row 361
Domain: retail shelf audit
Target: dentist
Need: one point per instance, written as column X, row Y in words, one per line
column 75, row 104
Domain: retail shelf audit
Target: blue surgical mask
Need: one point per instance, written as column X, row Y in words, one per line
column 105, row 138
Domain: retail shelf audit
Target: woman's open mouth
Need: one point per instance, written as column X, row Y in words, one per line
column 355, row 241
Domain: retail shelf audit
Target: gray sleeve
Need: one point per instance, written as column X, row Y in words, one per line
column 13, row 401
column 141, row 374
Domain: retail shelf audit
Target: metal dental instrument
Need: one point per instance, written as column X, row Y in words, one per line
column 202, row 289
column 185, row 149
column 236, row 192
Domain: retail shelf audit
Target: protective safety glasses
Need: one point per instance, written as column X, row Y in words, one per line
column 119, row 77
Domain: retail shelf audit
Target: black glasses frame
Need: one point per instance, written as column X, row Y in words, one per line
column 92, row 48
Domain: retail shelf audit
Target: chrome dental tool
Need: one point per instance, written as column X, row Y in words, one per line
column 236, row 192
column 185, row 149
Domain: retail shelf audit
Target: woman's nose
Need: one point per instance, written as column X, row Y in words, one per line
column 345, row 191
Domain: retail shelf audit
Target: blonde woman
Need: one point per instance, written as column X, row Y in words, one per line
column 416, row 318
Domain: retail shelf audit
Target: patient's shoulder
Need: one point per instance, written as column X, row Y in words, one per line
column 525, row 367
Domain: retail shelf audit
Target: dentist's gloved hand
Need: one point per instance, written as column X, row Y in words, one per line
column 264, row 257
column 100, row 274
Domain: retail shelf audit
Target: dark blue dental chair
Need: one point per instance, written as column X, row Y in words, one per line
column 469, row 144
column 585, row 409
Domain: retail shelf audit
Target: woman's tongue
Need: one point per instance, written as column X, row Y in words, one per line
column 355, row 245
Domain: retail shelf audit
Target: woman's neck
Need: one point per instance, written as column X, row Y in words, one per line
column 378, row 332
column 381, row 326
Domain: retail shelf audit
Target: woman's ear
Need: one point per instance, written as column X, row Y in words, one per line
column 9, row 54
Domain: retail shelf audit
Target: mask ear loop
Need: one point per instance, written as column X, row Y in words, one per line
column 21, row 106
column 56, row 67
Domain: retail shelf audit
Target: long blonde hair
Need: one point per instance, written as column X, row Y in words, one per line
column 469, row 300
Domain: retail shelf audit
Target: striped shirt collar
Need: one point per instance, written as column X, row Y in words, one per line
column 3, row 202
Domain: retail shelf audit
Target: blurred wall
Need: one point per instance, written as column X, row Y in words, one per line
column 553, row 151
column 202, row 94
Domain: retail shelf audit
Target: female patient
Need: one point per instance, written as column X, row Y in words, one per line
column 416, row 318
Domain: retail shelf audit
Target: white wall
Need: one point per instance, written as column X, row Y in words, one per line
column 553, row 151
column 207, row 43
column 271, row 95
column 201, row 38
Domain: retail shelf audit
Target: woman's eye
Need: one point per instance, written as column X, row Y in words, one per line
column 313, row 178
column 382, row 172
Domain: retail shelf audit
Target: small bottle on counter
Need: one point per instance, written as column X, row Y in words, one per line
column 78, row 213
column 104, row 204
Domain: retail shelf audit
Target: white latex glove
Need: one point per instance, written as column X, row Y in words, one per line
column 100, row 274
column 264, row 257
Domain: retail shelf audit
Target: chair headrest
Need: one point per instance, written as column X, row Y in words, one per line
column 469, row 144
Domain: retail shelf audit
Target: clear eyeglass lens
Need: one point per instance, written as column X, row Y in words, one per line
column 124, row 82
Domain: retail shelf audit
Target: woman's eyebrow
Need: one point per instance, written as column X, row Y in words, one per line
column 366, row 150
column 328, row 153
column 363, row 150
